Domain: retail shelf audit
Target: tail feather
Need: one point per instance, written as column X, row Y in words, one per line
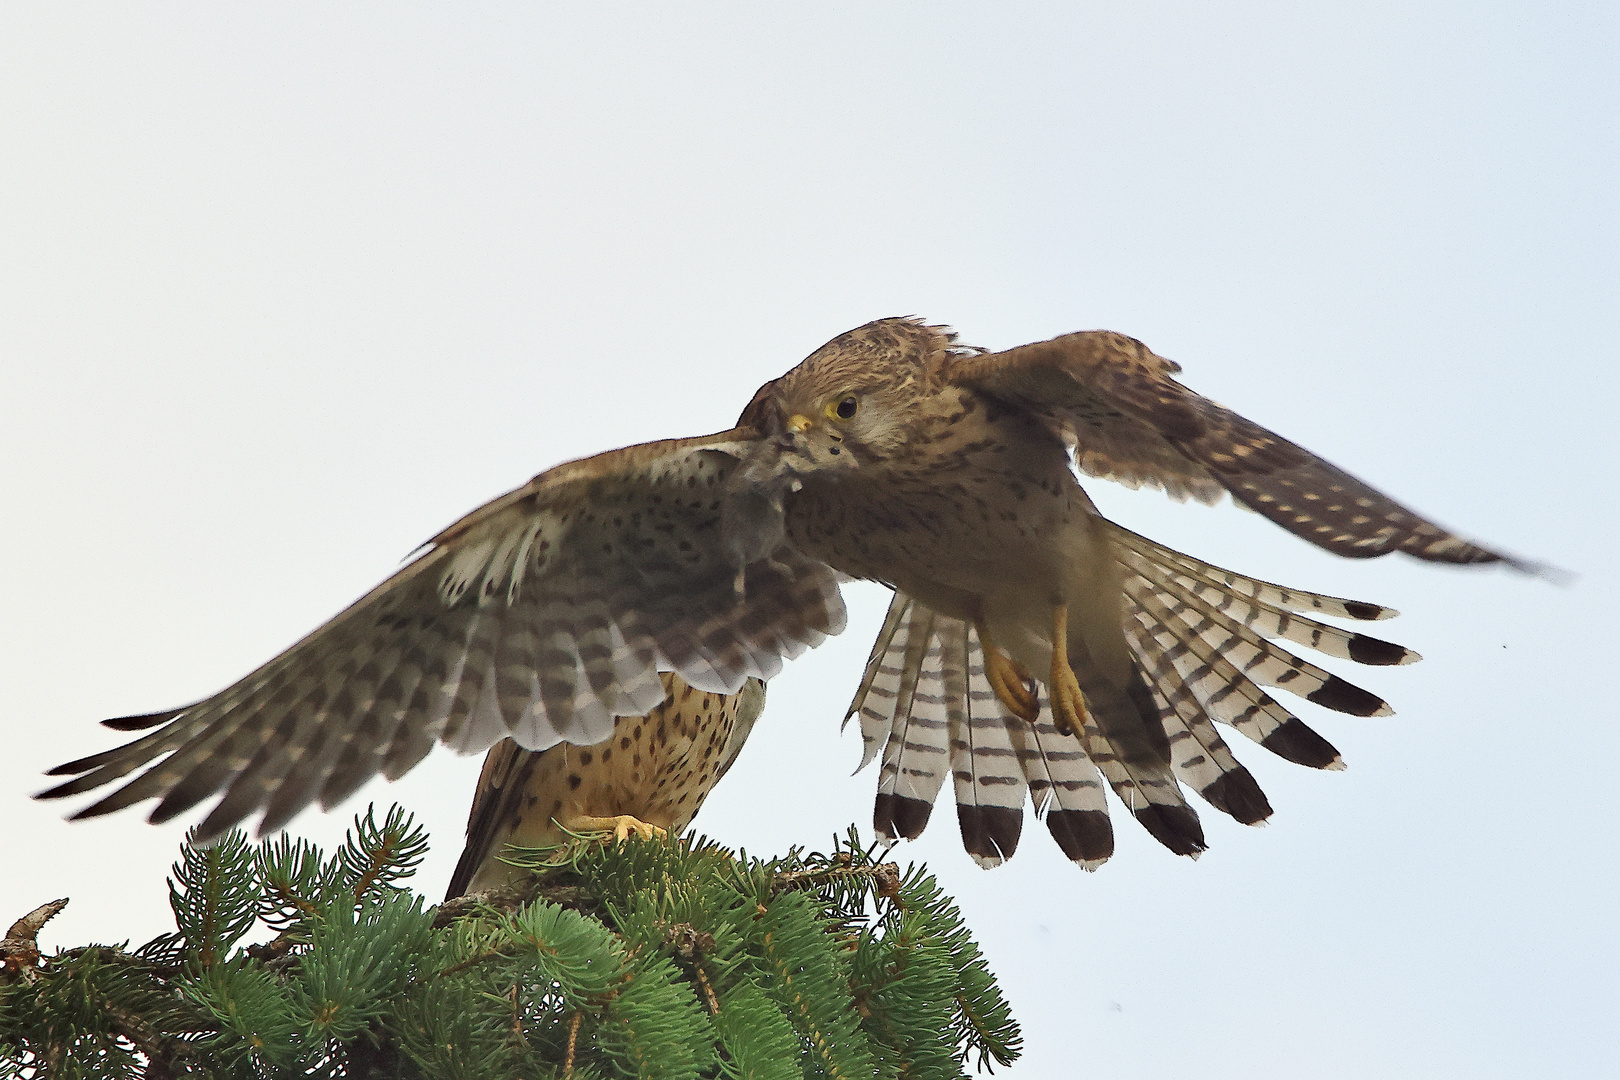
column 878, row 694
column 1144, row 783
column 916, row 755
column 1066, row 788
column 1204, row 641
column 1232, row 584
column 996, row 759
column 990, row 782
column 1258, row 659
column 1268, row 619
column 1225, row 693
column 1199, row 754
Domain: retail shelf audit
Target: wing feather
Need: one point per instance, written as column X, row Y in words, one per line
column 1128, row 419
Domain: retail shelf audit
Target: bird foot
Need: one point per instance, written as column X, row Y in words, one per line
column 621, row 825
column 1009, row 680
column 1068, row 703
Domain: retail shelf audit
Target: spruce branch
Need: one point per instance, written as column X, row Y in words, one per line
column 213, row 896
column 647, row 959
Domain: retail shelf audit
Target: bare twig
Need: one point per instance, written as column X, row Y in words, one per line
column 573, row 1042
column 885, row 877
column 19, row 950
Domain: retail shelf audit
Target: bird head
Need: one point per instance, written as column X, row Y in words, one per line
column 853, row 402
column 844, row 408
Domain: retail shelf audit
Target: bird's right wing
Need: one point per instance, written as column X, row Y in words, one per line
column 539, row 616
column 497, row 801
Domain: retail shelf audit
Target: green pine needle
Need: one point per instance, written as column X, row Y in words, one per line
column 658, row 960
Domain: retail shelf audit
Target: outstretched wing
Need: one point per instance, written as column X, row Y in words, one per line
column 539, row 616
column 1129, row 420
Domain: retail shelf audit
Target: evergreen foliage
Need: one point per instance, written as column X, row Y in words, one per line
column 665, row 959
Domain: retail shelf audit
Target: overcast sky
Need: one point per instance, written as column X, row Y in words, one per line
column 282, row 292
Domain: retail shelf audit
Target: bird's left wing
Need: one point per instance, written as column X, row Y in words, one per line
column 1129, row 420
column 539, row 616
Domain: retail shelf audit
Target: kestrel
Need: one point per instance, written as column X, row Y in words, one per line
column 1025, row 626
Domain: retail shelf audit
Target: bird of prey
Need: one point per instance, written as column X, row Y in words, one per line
column 1035, row 645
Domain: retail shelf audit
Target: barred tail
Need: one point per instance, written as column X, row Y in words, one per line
column 1205, row 642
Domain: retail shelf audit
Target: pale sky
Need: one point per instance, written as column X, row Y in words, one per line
column 284, row 291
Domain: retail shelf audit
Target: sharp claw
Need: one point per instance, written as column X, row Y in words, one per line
column 1009, row 680
column 1068, row 708
column 621, row 825
column 1019, row 696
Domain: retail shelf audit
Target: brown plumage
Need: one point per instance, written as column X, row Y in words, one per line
column 650, row 776
column 891, row 454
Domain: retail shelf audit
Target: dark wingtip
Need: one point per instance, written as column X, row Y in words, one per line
column 900, row 816
column 1176, row 827
column 1378, row 653
column 141, row 723
column 1295, row 741
column 60, row 791
column 105, row 806
column 71, row 768
column 77, row 786
column 1341, row 696
column 1552, row 575
column 1237, row 795
column 1086, row 836
column 1470, row 554
column 990, row 833
column 202, row 835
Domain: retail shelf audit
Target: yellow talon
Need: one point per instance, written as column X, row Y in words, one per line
column 1008, row 679
column 1068, row 703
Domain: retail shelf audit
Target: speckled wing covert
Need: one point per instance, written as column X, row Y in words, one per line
column 1204, row 641
column 1116, row 403
column 539, row 616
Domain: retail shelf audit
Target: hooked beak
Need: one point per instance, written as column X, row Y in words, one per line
column 799, row 423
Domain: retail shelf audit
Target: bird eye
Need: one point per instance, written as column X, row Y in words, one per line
column 845, row 408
